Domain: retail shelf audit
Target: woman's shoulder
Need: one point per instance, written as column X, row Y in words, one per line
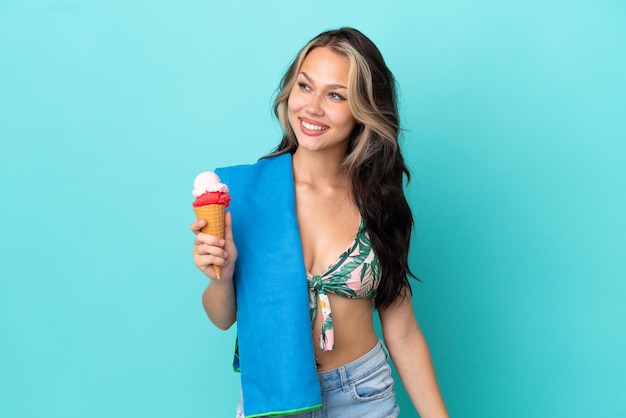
column 266, row 177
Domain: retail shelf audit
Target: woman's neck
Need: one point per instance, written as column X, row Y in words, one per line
column 319, row 169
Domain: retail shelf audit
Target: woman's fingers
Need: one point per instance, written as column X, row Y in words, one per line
column 228, row 226
column 197, row 225
column 203, row 261
column 202, row 238
column 209, row 250
column 206, row 257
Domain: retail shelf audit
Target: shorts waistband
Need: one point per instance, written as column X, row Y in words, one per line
column 355, row 370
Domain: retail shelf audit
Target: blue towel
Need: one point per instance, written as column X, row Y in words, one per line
column 274, row 343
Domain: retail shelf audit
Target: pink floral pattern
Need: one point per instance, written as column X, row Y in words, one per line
column 355, row 275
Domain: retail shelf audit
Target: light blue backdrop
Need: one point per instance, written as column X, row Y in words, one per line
column 515, row 133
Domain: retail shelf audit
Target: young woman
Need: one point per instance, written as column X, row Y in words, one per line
column 337, row 107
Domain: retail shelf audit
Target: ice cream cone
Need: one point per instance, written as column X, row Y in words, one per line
column 214, row 217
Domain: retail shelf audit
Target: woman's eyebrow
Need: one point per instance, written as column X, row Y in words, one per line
column 332, row 86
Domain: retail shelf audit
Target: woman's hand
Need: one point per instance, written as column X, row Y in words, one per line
column 209, row 250
column 218, row 298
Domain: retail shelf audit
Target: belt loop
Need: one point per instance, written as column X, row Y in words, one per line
column 343, row 375
column 384, row 347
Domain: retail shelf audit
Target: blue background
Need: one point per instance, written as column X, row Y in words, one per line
column 515, row 133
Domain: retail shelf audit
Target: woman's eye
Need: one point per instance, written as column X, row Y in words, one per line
column 303, row 86
column 336, row 96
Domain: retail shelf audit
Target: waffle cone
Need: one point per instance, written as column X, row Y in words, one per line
column 214, row 217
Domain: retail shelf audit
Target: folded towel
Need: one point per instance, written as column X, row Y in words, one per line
column 275, row 349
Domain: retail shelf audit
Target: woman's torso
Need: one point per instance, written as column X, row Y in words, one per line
column 329, row 222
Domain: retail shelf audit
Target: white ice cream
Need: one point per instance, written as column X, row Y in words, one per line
column 208, row 182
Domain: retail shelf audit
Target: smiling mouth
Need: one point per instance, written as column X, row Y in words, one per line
column 312, row 127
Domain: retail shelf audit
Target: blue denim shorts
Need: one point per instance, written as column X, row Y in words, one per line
column 363, row 388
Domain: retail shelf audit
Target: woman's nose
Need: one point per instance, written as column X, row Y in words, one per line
column 314, row 106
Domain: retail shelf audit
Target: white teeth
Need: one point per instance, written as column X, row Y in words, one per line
column 312, row 127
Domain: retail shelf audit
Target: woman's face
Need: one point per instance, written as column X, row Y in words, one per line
column 317, row 108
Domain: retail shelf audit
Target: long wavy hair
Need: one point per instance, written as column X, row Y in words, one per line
column 373, row 159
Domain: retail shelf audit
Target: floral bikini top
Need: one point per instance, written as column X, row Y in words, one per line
column 355, row 275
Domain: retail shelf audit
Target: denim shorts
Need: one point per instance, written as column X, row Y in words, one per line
column 363, row 388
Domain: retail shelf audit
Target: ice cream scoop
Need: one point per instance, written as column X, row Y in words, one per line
column 208, row 181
